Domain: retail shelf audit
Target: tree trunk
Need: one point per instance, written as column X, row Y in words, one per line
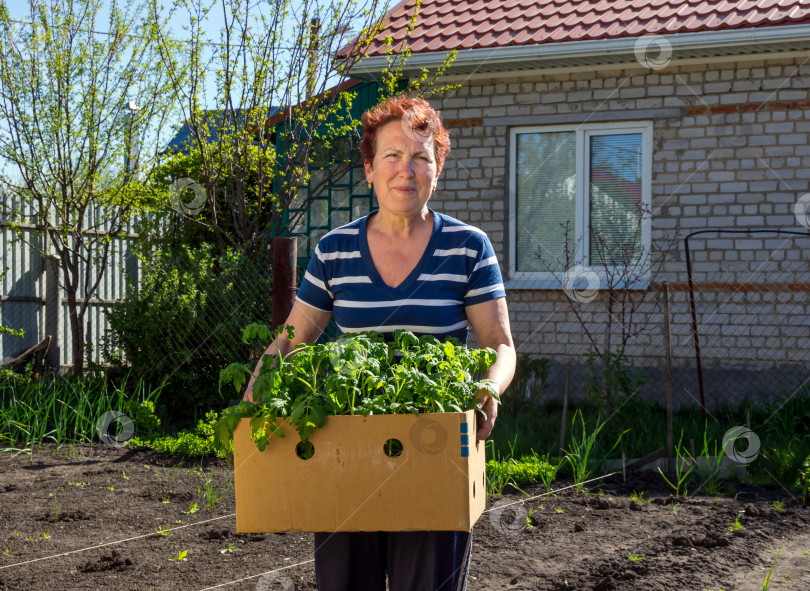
column 76, row 332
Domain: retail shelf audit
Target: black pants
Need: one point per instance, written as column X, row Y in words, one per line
column 413, row 561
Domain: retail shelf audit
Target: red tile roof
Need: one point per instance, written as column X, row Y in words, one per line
column 444, row 25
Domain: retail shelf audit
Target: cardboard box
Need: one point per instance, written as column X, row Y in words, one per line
column 350, row 484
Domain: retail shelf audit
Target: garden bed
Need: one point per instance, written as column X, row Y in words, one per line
column 88, row 520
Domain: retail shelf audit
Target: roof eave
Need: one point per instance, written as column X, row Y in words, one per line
column 602, row 51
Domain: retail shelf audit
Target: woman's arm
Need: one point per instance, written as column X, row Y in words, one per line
column 308, row 322
column 490, row 321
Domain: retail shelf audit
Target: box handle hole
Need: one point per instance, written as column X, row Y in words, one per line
column 393, row 448
column 305, row 450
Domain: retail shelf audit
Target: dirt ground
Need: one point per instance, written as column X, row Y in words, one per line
column 90, row 519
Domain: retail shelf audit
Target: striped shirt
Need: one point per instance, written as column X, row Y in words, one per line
column 457, row 269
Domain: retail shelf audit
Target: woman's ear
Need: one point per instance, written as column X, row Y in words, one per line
column 369, row 171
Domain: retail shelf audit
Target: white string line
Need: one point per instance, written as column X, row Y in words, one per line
column 556, row 490
column 259, row 575
column 116, row 542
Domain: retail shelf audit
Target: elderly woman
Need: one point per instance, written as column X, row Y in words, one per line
column 404, row 266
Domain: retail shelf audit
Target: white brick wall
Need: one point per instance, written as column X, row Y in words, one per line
column 737, row 157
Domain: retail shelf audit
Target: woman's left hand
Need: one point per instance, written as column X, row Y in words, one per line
column 490, row 406
column 490, row 322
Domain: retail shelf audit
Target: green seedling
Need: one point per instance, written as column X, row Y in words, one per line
column 231, row 548
column 635, row 557
column 7, row 552
column 181, row 556
column 191, row 510
column 360, row 375
column 77, row 484
column 165, row 501
column 213, row 493
column 683, row 457
column 124, row 472
column 163, row 531
column 578, row 455
column 779, row 506
column 637, row 497
column 111, row 488
column 46, row 534
column 736, row 525
column 767, row 583
column 30, row 539
column 559, row 511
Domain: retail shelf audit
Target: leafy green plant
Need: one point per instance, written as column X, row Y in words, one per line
column 736, row 525
column 708, row 471
column 196, row 443
column 357, row 375
column 637, row 496
column 578, row 455
column 635, row 557
column 231, row 548
column 191, row 510
column 163, row 530
column 517, row 472
column 779, row 505
column 184, row 293
column 181, row 556
column 683, row 459
column 213, row 493
column 61, row 410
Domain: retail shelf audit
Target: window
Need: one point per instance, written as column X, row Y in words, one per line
column 594, row 180
column 336, row 194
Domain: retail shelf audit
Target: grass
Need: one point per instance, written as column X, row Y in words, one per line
column 782, row 424
column 59, row 410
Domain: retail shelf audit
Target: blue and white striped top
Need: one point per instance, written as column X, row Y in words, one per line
column 458, row 269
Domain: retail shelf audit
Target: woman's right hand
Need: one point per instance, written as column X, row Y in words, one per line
column 308, row 323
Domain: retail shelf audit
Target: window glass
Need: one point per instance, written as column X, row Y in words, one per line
column 615, row 199
column 545, row 199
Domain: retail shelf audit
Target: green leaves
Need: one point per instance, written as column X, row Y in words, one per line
column 358, row 374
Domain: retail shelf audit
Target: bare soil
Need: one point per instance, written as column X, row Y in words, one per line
column 88, row 520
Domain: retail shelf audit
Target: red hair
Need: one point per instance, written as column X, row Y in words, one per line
column 418, row 113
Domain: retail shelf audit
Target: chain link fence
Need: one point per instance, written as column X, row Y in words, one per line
column 739, row 335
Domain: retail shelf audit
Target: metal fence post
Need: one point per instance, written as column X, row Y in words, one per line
column 285, row 280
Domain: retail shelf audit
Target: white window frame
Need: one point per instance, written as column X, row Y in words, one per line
column 583, row 133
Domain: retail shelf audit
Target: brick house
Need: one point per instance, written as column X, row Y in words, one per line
column 663, row 116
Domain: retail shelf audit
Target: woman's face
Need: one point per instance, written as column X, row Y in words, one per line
column 404, row 169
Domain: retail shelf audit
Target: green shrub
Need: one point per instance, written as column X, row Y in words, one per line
column 526, row 470
column 192, row 444
column 182, row 326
